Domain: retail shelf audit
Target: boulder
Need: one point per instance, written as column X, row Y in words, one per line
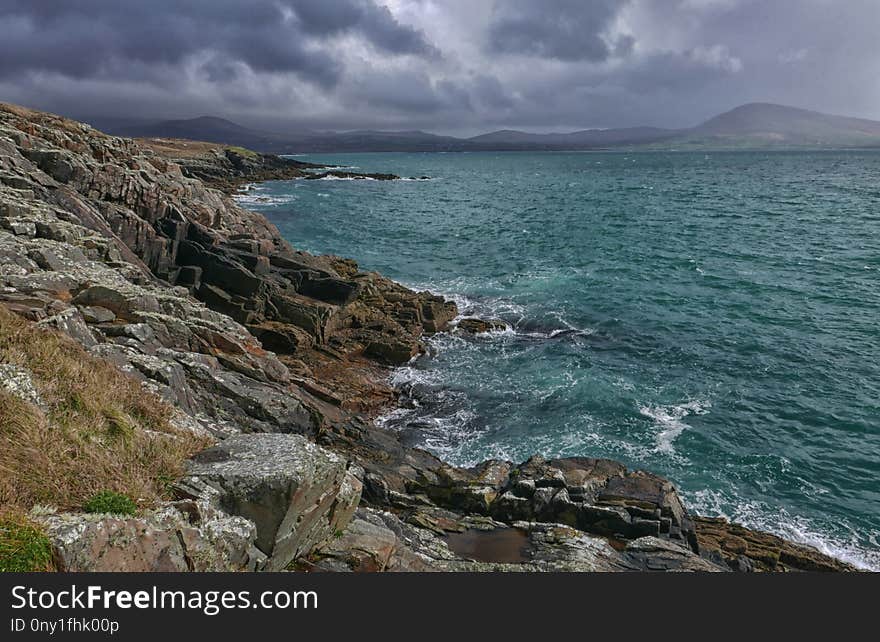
column 481, row 326
column 297, row 493
column 367, row 546
column 71, row 323
column 392, row 350
column 436, row 313
column 177, row 537
column 97, row 314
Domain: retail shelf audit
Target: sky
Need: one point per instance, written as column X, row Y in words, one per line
column 448, row 66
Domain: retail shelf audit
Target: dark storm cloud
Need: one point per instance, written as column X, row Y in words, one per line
column 99, row 37
column 459, row 66
column 563, row 29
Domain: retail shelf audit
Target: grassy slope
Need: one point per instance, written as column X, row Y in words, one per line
column 98, row 430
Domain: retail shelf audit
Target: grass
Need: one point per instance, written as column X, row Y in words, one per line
column 242, row 151
column 110, row 502
column 99, row 431
column 23, row 546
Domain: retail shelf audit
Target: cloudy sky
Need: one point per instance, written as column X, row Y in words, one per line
column 449, row 66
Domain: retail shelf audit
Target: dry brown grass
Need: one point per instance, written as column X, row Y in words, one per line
column 172, row 148
column 101, row 430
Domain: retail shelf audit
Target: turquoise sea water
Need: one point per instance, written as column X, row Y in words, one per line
column 713, row 318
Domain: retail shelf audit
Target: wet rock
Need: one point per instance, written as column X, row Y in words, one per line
column 594, row 495
column 436, row 313
column 393, row 351
column 296, row 493
column 480, row 326
column 743, row 549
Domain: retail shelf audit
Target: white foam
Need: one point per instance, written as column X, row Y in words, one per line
column 795, row 528
column 344, row 178
column 254, row 198
column 670, row 420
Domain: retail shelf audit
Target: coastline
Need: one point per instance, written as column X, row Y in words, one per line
column 272, row 351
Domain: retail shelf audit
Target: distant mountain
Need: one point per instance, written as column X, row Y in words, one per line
column 756, row 125
column 204, row 128
column 765, row 124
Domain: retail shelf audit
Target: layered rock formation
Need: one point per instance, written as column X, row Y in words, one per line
column 282, row 357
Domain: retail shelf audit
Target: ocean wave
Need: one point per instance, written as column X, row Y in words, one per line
column 670, row 420
column 345, row 178
column 253, row 198
column 800, row 530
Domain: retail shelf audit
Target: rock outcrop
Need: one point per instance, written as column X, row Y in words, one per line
column 283, row 357
column 182, row 536
column 296, row 493
column 224, row 167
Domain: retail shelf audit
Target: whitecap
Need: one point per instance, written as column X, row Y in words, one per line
column 345, row 178
column 795, row 528
column 670, row 420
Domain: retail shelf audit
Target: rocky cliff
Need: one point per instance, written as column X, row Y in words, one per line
column 281, row 359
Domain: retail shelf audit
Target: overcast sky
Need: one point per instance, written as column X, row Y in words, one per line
column 448, row 66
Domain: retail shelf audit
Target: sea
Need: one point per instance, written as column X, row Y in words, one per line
column 711, row 317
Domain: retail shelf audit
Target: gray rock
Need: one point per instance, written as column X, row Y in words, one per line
column 655, row 554
column 19, row 382
column 177, row 537
column 97, row 314
column 297, row 493
column 71, row 323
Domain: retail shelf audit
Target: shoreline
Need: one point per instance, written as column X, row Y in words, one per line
column 396, row 413
column 275, row 354
column 815, row 542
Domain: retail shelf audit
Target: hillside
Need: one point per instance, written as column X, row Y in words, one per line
column 203, row 128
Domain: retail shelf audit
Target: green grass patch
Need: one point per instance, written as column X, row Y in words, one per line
column 24, row 548
column 108, row 501
column 242, row 151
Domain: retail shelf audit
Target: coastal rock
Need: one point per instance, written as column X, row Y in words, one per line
column 480, row 326
column 367, row 546
column 594, row 495
column 296, row 493
column 378, row 541
column 178, row 537
column 662, row 555
column 743, row 549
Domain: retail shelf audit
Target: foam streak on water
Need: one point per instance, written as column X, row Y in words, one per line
column 710, row 318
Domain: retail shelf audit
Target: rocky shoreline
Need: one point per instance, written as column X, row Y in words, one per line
column 137, row 252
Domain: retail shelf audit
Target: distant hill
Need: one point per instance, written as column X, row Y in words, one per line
column 204, row 128
column 587, row 138
column 765, row 124
column 756, row 125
